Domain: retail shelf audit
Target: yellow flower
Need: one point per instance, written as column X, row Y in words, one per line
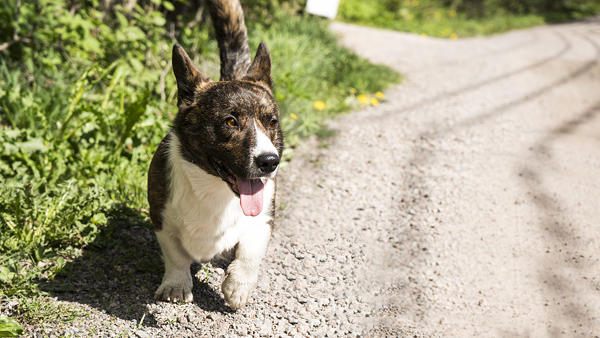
column 446, row 31
column 453, row 36
column 410, row 16
column 379, row 95
column 374, row 101
column 293, row 116
column 415, row 3
column 363, row 99
column 424, row 34
column 437, row 15
column 353, row 90
column 320, row 105
column 452, row 13
column 490, row 26
column 406, row 2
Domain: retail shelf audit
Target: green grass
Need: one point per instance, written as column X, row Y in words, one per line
column 41, row 310
column 85, row 101
column 432, row 18
column 309, row 65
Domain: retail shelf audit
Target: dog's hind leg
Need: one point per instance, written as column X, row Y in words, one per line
column 242, row 273
column 176, row 285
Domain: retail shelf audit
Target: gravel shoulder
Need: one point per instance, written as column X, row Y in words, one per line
column 465, row 205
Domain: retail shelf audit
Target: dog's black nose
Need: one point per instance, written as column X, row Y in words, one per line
column 267, row 163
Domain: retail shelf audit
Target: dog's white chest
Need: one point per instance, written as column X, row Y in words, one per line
column 204, row 213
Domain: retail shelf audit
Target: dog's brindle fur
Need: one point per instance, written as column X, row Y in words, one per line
column 195, row 209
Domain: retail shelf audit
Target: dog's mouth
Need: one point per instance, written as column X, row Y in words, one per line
column 250, row 191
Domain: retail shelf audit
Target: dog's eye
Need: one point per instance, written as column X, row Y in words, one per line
column 231, row 122
column 273, row 124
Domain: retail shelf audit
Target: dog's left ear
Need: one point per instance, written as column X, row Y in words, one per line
column 189, row 78
column 260, row 69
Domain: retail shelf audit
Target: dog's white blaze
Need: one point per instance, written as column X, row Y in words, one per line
column 262, row 143
column 262, row 146
column 203, row 218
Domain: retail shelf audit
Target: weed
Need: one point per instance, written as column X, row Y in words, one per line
column 140, row 325
column 171, row 321
column 38, row 310
column 204, row 274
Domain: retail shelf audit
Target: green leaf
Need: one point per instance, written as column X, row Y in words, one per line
column 6, row 276
column 99, row 218
column 159, row 20
column 9, row 328
column 122, row 19
column 91, row 44
column 60, row 263
column 136, row 64
column 169, row 6
column 32, row 146
column 134, row 33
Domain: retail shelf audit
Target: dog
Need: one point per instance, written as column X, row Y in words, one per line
column 211, row 182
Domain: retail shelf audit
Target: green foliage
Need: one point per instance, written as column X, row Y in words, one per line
column 9, row 327
column 86, row 95
column 39, row 310
column 462, row 18
column 557, row 9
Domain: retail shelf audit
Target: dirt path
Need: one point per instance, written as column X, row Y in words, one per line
column 466, row 205
column 479, row 182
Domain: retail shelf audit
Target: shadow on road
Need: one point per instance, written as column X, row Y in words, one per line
column 561, row 237
column 119, row 273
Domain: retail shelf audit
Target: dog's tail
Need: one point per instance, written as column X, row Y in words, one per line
column 228, row 19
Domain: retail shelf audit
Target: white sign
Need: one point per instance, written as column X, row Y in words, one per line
column 326, row 8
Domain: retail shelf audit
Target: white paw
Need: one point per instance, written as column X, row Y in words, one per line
column 236, row 289
column 175, row 289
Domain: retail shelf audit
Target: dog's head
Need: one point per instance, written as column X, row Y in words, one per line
column 230, row 129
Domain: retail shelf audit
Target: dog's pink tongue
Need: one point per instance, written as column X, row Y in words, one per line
column 251, row 196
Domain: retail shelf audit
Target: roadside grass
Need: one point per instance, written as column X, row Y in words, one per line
column 85, row 101
column 431, row 18
column 41, row 310
column 316, row 78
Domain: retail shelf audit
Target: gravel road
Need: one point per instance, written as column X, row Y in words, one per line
column 465, row 205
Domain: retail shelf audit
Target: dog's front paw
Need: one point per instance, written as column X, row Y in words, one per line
column 236, row 290
column 175, row 290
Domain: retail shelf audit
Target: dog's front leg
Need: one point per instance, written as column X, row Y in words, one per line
column 177, row 282
column 242, row 273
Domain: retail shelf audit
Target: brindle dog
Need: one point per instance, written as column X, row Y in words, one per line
column 211, row 183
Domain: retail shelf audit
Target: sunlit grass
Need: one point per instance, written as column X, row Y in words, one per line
column 429, row 18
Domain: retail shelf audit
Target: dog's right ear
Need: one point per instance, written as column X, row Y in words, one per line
column 189, row 78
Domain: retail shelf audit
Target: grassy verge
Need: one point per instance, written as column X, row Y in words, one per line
column 85, row 98
column 433, row 18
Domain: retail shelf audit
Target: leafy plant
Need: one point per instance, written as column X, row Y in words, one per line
column 9, row 327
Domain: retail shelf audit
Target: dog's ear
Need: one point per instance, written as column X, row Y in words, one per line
column 189, row 78
column 260, row 69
